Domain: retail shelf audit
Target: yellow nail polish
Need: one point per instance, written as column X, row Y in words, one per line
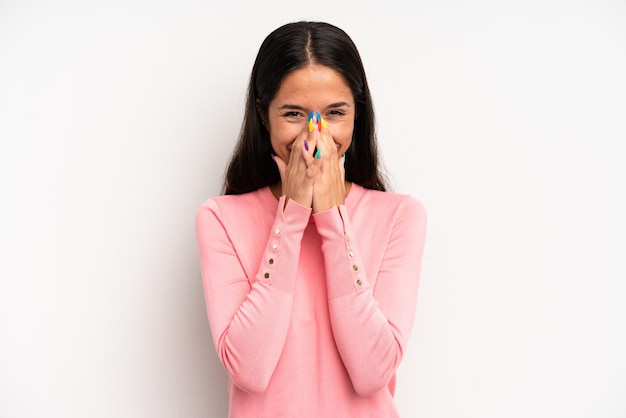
column 324, row 124
column 311, row 125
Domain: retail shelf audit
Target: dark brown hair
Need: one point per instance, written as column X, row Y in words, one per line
column 286, row 49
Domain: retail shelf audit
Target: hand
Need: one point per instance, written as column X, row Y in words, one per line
column 298, row 174
column 329, row 188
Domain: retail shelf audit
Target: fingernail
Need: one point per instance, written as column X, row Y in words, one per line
column 306, row 145
column 318, row 154
column 344, row 158
column 311, row 123
column 324, row 124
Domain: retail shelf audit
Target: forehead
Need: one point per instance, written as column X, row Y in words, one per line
column 313, row 86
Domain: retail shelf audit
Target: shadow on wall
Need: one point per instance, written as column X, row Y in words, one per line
column 207, row 378
column 217, row 398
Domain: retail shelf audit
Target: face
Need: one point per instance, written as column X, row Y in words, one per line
column 314, row 87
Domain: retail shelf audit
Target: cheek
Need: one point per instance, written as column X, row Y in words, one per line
column 285, row 133
column 281, row 138
column 342, row 133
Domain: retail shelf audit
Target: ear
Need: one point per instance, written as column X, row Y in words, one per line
column 261, row 112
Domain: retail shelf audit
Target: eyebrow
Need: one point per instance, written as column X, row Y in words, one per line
column 290, row 107
column 298, row 107
column 338, row 104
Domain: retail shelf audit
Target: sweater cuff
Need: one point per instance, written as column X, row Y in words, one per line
column 280, row 258
column 345, row 272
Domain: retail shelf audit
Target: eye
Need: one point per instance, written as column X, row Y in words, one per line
column 293, row 115
column 335, row 114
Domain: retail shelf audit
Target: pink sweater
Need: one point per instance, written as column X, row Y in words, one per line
column 310, row 314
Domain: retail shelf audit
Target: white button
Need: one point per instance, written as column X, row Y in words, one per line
column 351, row 253
column 274, row 246
column 348, row 238
column 277, row 231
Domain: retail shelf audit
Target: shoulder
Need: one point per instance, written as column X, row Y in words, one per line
column 231, row 201
column 389, row 204
column 387, row 220
column 238, row 208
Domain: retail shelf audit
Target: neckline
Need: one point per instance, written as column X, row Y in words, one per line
column 351, row 197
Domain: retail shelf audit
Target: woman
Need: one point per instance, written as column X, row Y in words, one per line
column 310, row 268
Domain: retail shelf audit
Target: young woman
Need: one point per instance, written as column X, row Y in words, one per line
column 310, row 268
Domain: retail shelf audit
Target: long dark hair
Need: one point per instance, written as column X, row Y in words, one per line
column 286, row 49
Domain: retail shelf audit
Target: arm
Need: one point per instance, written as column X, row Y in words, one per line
column 371, row 325
column 249, row 323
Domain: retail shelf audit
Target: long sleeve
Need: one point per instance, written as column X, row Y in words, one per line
column 371, row 317
column 249, row 316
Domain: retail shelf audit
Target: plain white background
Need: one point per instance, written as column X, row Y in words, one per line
column 506, row 118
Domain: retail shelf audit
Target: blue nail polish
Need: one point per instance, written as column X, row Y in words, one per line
column 317, row 114
column 311, row 114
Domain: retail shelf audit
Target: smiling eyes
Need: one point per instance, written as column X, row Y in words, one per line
column 293, row 115
column 335, row 113
column 297, row 116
